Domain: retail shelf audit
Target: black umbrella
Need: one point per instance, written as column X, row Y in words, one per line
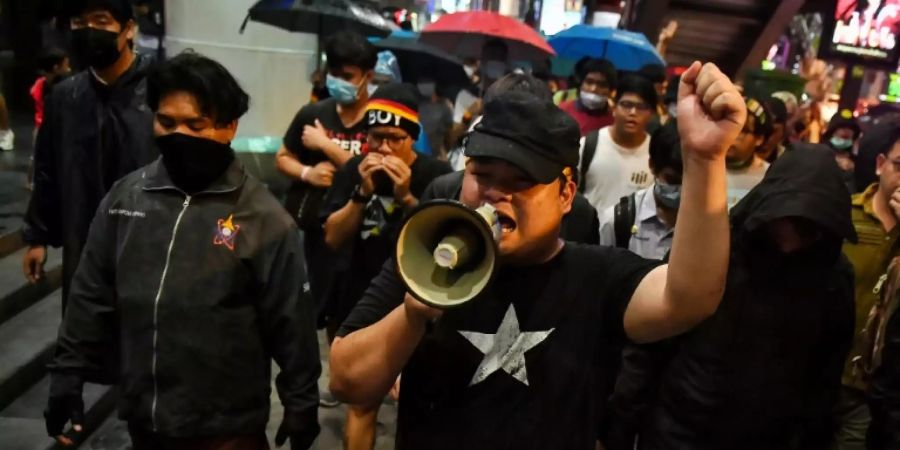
column 320, row 17
column 419, row 60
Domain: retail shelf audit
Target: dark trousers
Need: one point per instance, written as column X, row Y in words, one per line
column 146, row 440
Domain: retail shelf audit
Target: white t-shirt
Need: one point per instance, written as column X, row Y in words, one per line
column 464, row 99
column 740, row 182
column 616, row 171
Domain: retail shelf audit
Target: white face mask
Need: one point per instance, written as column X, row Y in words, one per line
column 591, row 100
column 469, row 71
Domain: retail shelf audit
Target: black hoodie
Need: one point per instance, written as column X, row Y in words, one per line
column 765, row 370
column 92, row 135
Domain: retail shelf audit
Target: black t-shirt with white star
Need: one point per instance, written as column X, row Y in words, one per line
column 523, row 365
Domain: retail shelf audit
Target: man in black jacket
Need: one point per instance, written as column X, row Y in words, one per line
column 97, row 128
column 190, row 269
column 765, row 370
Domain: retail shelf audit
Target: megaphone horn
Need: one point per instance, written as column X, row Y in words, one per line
column 446, row 252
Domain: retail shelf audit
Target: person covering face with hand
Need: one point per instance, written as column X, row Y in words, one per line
column 875, row 213
column 186, row 257
column 533, row 338
column 372, row 191
column 364, row 207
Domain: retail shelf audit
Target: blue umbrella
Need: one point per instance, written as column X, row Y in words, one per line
column 625, row 49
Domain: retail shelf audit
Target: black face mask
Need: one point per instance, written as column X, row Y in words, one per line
column 384, row 185
column 96, row 48
column 193, row 163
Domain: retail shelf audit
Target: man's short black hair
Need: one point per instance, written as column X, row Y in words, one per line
column 519, row 82
column 881, row 138
column 121, row 10
column 665, row 148
column 598, row 65
column 218, row 94
column 778, row 110
column 349, row 48
column 50, row 58
column 637, row 85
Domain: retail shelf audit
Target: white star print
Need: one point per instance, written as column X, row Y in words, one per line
column 505, row 349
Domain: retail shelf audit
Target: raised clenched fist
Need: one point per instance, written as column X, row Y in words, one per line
column 711, row 111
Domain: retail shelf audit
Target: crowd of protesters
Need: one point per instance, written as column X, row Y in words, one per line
column 681, row 266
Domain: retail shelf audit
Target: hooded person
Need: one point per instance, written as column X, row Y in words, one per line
column 765, row 370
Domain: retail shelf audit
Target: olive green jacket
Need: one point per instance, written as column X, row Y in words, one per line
column 870, row 258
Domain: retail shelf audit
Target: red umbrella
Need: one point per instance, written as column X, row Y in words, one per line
column 464, row 34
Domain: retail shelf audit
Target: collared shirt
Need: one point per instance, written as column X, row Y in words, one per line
column 650, row 237
column 870, row 258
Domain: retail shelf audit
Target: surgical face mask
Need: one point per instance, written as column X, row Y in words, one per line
column 96, row 48
column 470, row 71
column 841, row 144
column 593, row 101
column 668, row 195
column 193, row 163
column 344, row 92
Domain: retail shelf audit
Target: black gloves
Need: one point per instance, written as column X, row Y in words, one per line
column 302, row 440
column 65, row 403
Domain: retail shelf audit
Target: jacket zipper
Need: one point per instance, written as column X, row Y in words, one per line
column 184, row 206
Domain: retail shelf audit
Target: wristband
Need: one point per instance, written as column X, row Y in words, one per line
column 357, row 197
column 304, row 172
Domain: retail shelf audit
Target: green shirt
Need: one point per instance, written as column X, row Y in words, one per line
column 870, row 258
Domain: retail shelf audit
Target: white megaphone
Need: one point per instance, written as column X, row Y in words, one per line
column 446, row 252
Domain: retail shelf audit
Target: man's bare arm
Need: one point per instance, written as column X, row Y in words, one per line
column 674, row 298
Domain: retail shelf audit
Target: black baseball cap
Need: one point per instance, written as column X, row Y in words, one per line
column 532, row 134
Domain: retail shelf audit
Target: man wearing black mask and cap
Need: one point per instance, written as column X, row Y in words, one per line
column 97, row 128
column 190, row 270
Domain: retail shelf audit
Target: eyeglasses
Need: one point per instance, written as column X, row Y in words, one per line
column 393, row 140
column 628, row 106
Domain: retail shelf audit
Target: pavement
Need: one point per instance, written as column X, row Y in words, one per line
column 112, row 435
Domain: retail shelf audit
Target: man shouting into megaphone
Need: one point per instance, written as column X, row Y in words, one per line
column 520, row 366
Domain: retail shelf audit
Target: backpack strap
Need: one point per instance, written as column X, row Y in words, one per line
column 623, row 220
column 590, row 148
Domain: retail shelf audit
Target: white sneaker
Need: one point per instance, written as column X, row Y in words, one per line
column 7, row 138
